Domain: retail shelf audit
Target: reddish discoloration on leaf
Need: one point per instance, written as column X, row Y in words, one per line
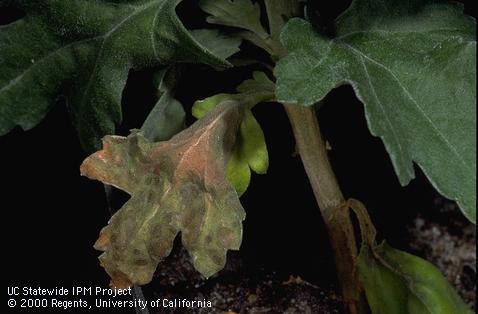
column 102, row 241
column 176, row 186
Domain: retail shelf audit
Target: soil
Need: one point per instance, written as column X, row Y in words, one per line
column 448, row 240
column 236, row 291
column 444, row 237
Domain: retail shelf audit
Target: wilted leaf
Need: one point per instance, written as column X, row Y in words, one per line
column 175, row 186
column 396, row 282
column 250, row 150
column 413, row 65
column 84, row 49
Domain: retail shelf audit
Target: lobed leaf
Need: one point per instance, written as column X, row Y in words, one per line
column 175, row 186
column 85, row 49
column 246, row 15
column 278, row 12
column 413, row 65
column 236, row 13
column 220, row 45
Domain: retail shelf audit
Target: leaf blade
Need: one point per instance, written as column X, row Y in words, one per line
column 415, row 79
column 254, row 148
column 398, row 282
column 222, row 46
column 176, row 186
column 85, row 49
column 238, row 13
column 167, row 117
column 250, row 150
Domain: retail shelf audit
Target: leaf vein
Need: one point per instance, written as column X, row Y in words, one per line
column 382, row 107
column 422, row 112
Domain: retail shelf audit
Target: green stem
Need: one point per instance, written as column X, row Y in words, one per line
column 312, row 150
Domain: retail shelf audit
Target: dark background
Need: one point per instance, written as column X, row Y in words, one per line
column 52, row 216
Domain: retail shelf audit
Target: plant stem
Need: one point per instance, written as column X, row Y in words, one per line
column 312, row 150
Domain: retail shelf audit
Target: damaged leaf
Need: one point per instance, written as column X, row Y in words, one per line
column 175, row 186
column 250, row 149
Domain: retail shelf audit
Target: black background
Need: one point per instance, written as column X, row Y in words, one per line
column 52, row 216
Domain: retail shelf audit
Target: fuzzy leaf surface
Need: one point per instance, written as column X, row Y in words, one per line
column 175, row 186
column 236, row 13
column 84, row 49
column 278, row 12
column 221, row 45
column 413, row 65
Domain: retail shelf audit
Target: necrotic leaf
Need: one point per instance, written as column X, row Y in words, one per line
column 250, row 149
column 175, row 186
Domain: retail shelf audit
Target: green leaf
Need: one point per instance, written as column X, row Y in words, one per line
column 243, row 14
column 167, row 117
column 396, row 282
column 238, row 13
column 414, row 68
column 202, row 107
column 259, row 83
column 253, row 144
column 85, row 49
column 250, row 149
column 238, row 172
column 278, row 13
column 175, row 186
column 220, row 45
